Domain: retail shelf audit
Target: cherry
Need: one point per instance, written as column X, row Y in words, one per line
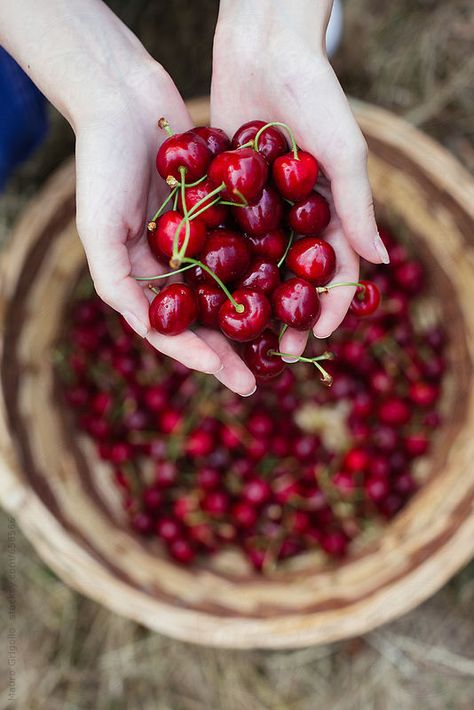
column 208, row 478
column 404, row 484
column 256, row 491
column 183, row 150
column 199, row 443
column 394, row 412
column 385, row 438
column 270, row 246
column 181, row 550
column 166, row 474
column 251, row 322
column 334, row 543
column 423, row 394
column 120, row 452
column 213, row 216
column 409, row 276
column 304, row 447
column 152, row 498
column 243, row 172
column 263, row 275
column 344, row 482
column 296, row 303
column 162, row 239
column 215, row 503
column 362, row 404
column 155, row 398
column 142, row 523
column 356, row 460
column 312, row 259
column 168, row 528
column 310, row 216
column 173, row 309
column 210, row 298
column 227, row 254
column 366, row 299
column 295, row 177
column 416, row 444
column 216, row 139
column 271, row 142
column 257, row 358
column 260, row 423
column 262, row 216
column 244, row 514
column 170, row 420
column 376, row 489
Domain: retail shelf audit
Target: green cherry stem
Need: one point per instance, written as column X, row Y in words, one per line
column 203, row 200
column 156, row 291
column 165, row 126
column 166, row 275
column 177, row 253
column 197, row 182
column 326, row 377
column 290, row 242
column 163, row 205
column 294, row 147
column 238, row 306
column 283, row 330
column 325, row 289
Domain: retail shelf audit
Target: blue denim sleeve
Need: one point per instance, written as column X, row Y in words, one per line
column 23, row 116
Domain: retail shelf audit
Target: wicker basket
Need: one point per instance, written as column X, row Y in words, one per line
column 59, row 492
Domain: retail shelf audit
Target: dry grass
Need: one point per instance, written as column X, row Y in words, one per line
column 413, row 56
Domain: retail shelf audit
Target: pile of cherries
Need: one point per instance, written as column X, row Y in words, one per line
column 200, row 468
column 245, row 233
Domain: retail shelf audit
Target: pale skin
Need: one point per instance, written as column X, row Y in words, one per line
column 269, row 63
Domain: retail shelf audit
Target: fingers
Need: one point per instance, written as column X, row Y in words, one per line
column 189, row 349
column 235, row 374
column 293, row 342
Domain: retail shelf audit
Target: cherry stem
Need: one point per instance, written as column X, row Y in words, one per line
column 325, row 289
column 178, row 253
column 160, row 210
column 165, row 126
column 290, row 242
column 294, row 147
column 283, row 331
column 203, row 200
column 234, row 204
column 165, row 275
column 197, row 182
column 326, row 377
column 239, row 307
column 152, row 288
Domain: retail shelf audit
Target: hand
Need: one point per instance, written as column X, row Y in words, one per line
column 270, row 63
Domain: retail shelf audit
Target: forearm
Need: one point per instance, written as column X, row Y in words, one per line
column 77, row 51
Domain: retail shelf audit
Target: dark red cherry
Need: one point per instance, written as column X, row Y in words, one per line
column 270, row 246
column 271, row 142
column 366, row 299
column 173, row 309
column 394, row 412
column 409, row 276
column 251, row 322
column 262, row 274
column 423, row 394
column 243, row 172
column 210, row 298
column 212, row 216
column 311, row 215
column 295, row 177
column 262, row 216
column 312, row 259
column 257, row 358
column 183, row 150
column 227, row 254
column 216, row 139
column 162, row 239
column 296, row 303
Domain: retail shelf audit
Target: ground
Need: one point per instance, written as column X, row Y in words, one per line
column 413, row 57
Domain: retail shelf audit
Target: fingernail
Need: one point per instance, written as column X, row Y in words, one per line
column 290, row 360
column 216, row 372
column 381, row 250
column 136, row 324
column 249, row 394
column 322, row 337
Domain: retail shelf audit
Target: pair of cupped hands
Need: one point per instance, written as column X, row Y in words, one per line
column 118, row 187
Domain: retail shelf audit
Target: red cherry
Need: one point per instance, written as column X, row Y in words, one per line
column 260, row 423
column 243, row 172
column 152, row 498
column 227, row 254
column 168, row 528
column 416, row 444
column 181, row 550
column 183, row 150
column 271, row 142
column 296, row 303
column 210, row 298
column 256, row 491
column 142, row 523
column 334, row 543
column 376, row 489
column 208, row 478
column 162, row 239
column 310, row 216
column 356, row 460
column 263, row 275
column 409, row 276
column 423, row 394
column 270, row 246
column 244, row 515
column 344, row 482
column 215, row 503
column 166, row 474
column 212, row 216
column 312, row 259
column 295, row 177
column 262, row 216
column 199, row 443
column 251, row 322
column 366, row 299
column 394, row 412
column 216, row 139
column 173, row 309
column 256, row 357
column 155, row 398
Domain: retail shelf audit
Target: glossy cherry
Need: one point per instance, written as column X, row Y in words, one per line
column 210, row 298
column 173, row 309
column 227, row 254
column 256, row 355
column 183, row 150
column 162, row 239
column 271, row 142
column 312, row 259
column 270, row 246
column 251, row 322
column 295, row 177
column 211, row 216
column 243, row 172
column 296, row 303
column 216, row 139
column 310, row 215
column 263, row 275
column 366, row 299
column 262, row 216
